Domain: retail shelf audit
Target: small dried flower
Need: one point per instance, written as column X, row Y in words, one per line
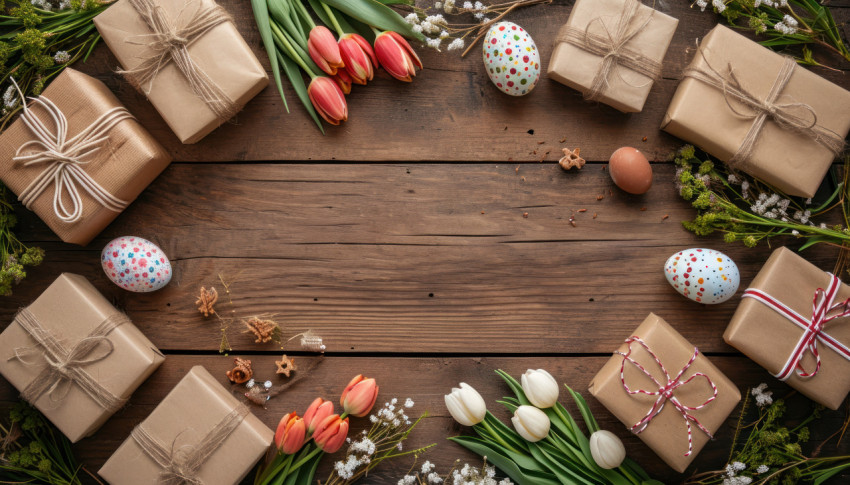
column 285, row 365
column 242, row 372
column 571, row 159
column 263, row 330
column 206, row 301
column 312, row 342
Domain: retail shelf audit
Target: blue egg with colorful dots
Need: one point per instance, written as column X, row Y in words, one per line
column 511, row 58
column 703, row 275
column 135, row 264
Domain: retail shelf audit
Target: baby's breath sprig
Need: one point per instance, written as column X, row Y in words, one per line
column 784, row 23
column 38, row 39
column 384, row 440
column 766, row 450
column 457, row 475
column 432, row 23
column 748, row 210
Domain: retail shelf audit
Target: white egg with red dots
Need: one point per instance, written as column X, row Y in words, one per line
column 703, row 275
column 135, row 264
column 511, row 59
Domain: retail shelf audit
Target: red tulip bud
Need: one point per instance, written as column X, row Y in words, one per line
column 331, row 433
column 328, row 100
column 290, row 434
column 324, row 50
column 396, row 56
column 316, row 413
column 359, row 396
column 358, row 56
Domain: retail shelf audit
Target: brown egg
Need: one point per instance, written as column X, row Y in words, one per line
column 630, row 170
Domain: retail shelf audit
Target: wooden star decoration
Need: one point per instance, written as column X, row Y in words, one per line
column 571, row 159
column 285, row 365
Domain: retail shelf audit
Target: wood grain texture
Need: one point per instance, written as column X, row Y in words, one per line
column 410, row 258
column 451, row 112
column 426, row 380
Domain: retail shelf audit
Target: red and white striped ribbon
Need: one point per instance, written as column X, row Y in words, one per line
column 823, row 304
column 666, row 391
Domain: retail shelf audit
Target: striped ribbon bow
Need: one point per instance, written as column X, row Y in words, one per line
column 666, row 391
column 823, row 304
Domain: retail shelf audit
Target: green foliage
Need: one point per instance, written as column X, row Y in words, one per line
column 33, row 451
column 31, row 38
column 14, row 255
column 797, row 24
column 747, row 210
column 768, row 449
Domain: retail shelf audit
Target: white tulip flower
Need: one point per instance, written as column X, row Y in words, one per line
column 540, row 388
column 466, row 405
column 607, row 450
column 531, row 423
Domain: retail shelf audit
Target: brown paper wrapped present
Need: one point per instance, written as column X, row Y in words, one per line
column 75, row 357
column 108, row 158
column 675, row 433
column 199, row 433
column 760, row 112
column 611, row 50
column 778, row 325
column 187, row 57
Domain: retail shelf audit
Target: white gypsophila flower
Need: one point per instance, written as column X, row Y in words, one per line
column 795, row 232
column 506, row 481
column 730, row 471
column 732, row 179
column 739, row 466
column 433, row 43
column 467, row 5
column 449, row 6
column 762, row 395
column 438, row 5
column 412, row 19
column 444, row 34
column 436, row 19
column 417, row 28
column 9, row 98
column 480, row 7
column 809, row 201
column 408, row 403
column 719, row 5
column 745, row 187
column 762, row 469
column 64, row 4
column 823, row 225
column 407, row 480
column 427, row 467
column 61, row 57
column 434, row 478
column 702, row 4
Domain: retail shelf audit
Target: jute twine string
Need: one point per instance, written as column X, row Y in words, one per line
column 169, row 43
column 64, row 364
column 180, row 465
column 792, row 116
column 613, row 47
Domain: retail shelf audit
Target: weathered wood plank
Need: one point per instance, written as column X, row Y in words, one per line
column 425, row 380
column 451, row 112
column 408, row 258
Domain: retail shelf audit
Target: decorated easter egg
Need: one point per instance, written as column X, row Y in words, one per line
column 511, row 59
column 703, row 275
column 135, row 264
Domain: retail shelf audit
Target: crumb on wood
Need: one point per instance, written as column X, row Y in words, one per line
column 643, row 139
column 522, row 178
column 541, row 142
column 604, row 168
column 517, row 169
column 594, row 215
column 643, row 209
column 582, row 210
column 666, row 216
column 482, row 212
column 600, row 197
column 563, row 139
column 573, row 221
column 525, row 215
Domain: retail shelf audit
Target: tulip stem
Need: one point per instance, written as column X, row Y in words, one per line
column 277, row 465
column 331, row 15
column 632, row 478
column 304, row 13
column 304, row 460
column 498, row 438
column 281, row 37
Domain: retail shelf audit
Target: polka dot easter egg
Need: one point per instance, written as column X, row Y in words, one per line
column 703, row 275
column 136, row 264
column 511, row 59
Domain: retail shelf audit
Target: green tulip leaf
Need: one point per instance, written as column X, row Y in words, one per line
column 261, row 16
column 503, row 463
column 564, row 473
column 376, row 14
column 293, row 72
column 505, row 432
column 584, row 409
column 515, row 386
column 320, row 12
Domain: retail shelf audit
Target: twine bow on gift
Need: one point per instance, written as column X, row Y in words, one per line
column 666, row 390
column 169, row 43
column 823, row 304
column 613, row 47
column 65, row 158
column 180, row 465
column 792, row 116
column 65, row 365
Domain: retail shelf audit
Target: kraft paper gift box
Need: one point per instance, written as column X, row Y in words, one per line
column 75, row 324
column 579, row 62
column 124, row 160
column 769, row 335
column 791, row 150
column 215, row 56
column 198, row 417
column 667, row 432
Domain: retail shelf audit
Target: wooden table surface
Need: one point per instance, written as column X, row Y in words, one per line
column 400, row 238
